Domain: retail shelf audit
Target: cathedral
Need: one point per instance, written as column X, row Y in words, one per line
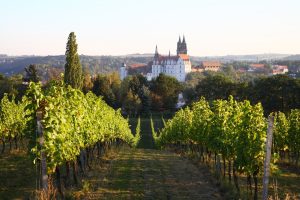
column 177, row 66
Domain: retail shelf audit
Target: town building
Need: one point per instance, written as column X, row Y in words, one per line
column 207, row 66
column 279, row 69
column 176, row 66
column 256, row 67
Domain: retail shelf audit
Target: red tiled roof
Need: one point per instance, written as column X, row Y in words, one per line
column 184, row 57
column 257, row 65
column 137, row 65
column 211, row 64
column 162, row 58
column 197, row 69
column 280, row 67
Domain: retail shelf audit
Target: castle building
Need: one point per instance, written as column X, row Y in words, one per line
column 177, row 66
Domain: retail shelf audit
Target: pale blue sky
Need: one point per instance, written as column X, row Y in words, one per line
column 114, row 27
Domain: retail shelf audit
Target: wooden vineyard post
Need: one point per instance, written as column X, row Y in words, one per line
column 44, row 176
column 218, row 166
column 268, row 157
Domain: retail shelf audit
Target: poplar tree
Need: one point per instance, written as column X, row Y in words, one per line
column 73, row 70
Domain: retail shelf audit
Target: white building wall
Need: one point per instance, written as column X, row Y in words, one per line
column 123, row 73
column 177, row 69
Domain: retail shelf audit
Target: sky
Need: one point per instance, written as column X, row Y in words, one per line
column 119, row 27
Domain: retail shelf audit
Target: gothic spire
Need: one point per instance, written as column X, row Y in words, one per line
column 183, row 39
column 156, row 52
column 169, row 54
column 179, row 41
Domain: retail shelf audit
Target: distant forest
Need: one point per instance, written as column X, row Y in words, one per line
column 51, row 66
column 46, row 64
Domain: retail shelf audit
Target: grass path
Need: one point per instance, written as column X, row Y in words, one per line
column 150, row 174
column 146, row 173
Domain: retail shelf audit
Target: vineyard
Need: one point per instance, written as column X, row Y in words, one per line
column 234, row 132
column 76, row 139
column 63, row 127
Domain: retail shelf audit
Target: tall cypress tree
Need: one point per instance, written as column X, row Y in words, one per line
column 73, row 69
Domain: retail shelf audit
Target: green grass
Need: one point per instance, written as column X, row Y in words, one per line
column 147, row 141
column 17, row 175
column 288, row 182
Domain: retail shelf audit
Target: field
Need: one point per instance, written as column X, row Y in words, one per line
column 142, row 173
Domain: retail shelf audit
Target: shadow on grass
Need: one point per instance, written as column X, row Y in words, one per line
column 17, row 175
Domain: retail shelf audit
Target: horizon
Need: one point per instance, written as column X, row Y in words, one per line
column 129, row 54
column 211, row 27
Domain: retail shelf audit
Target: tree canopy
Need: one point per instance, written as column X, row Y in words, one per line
column 73, row 69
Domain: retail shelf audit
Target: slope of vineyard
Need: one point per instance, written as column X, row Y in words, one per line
column 232, row 132
column 82, row 136
column 64, row 127
column 72, row 122
column 149, row 174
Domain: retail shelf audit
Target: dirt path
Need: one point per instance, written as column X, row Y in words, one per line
column 150, row 174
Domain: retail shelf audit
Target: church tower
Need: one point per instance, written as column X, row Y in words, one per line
column 181, row 46
column 156, row 53
column 176, row 66
column 178, row 46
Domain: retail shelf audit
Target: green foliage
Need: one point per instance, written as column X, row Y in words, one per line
column 32, row 74
column 154, row 133
column 108, row 86
column 135, row 86
column 215, row 87
column 276, row 93
column 251, row 138
column 12, row 86
column 201, row 120
column 87, row 80
column 165, row 89
column 73, row 70
column 12, row 118
column 280, row 133
column 178, row 129
column 132, row 104
column 294, row 133
column 236, row 130
column 73, row 121
column 137, row 136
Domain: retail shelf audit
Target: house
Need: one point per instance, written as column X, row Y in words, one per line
column 211, row 65
column 279, row 69
column 207, row 66
column 256, row 67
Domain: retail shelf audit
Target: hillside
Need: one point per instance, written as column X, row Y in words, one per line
column 293, row 57
column 97, row 64
column 10, row 65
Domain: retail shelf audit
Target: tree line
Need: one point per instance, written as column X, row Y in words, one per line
column 276, row 93
column 62, row 126
column 135, row 95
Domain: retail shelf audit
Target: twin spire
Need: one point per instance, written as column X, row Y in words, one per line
column 183, row 39
column 181, row 47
